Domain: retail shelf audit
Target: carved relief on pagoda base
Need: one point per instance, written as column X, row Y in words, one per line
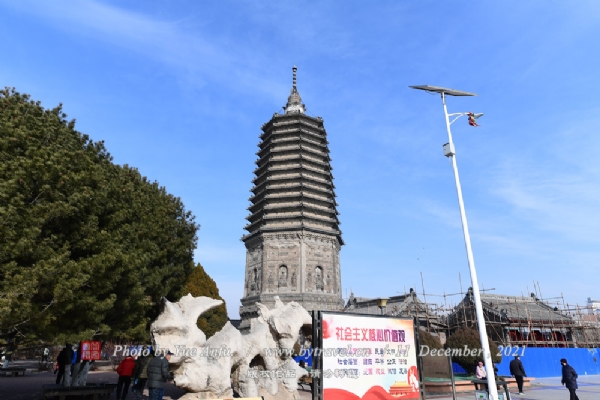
column 253, row 279
column 282, row 263
column 320, row 281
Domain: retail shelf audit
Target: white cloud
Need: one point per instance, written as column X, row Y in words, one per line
column 196, row 55
column 559, row 192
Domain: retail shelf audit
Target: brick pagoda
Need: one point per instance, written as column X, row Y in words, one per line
column 293, row 240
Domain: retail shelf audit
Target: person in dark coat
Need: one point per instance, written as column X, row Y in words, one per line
column 60, row 360
column 64, row 365
column 140, row 372
column 569, row 378
column 517, row 370
column 158, row 374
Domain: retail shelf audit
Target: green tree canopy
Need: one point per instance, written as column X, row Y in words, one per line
column 427, row 339
column 199, row 283
column 470, row 338
column 87, row 247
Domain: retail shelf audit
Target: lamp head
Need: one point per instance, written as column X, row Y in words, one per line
column 382, row 301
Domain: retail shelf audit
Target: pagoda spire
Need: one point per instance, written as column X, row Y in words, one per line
column 294, row 103
column 294, row 69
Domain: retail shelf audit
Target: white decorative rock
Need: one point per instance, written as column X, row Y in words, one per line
column 259, row 362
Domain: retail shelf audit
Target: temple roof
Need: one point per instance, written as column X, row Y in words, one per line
column 406, row 305
column 518, row 308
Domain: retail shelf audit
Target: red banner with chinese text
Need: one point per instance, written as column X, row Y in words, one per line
column 90, row 350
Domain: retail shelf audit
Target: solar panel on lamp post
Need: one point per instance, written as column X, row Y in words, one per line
column 450, row 152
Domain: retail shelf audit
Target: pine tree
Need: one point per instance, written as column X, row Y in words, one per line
column 199, row 283
column 470, row 338
column 88, row 248
column 427, row 339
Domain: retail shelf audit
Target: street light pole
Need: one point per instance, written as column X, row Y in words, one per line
column 450, row 152
column 487, row 357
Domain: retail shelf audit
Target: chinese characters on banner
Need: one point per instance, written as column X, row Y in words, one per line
column 368, row 356
column 90, row 350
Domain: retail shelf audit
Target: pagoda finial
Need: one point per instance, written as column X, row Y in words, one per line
column 294, row 69
column 294, row 103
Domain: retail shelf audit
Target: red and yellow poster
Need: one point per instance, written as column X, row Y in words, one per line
column 369, row 358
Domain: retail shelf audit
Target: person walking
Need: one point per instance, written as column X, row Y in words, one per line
column 158, row 374
column 517, row 370
column 64, row 360
column 68, row 360
column 45, row 354
column 569, row 378
column 140, row 372
column 74, row 360
column 125, row 369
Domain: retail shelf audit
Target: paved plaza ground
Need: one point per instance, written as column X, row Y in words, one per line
column 548, row 389
column 30, row 387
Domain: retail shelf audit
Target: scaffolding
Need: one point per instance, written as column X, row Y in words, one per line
column 511, row 321
column 529, row 321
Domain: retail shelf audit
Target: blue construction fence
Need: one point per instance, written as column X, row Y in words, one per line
column 306, row 357
column 539, row 362
column 544, row 362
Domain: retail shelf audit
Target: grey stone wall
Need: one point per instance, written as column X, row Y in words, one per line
column 300, row 267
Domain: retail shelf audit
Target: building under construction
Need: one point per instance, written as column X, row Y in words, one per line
column 510, row 320
column 405, row 305
column 528, row 321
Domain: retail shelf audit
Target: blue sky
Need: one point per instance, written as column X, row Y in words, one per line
column 180, row 90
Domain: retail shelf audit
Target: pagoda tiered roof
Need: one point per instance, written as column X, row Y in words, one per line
column 293, row 184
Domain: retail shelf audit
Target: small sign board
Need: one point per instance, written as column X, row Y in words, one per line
column 436, row 366
column 481, row 395
column 90, row 350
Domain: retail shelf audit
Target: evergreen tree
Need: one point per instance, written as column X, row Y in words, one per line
column 427, row 339
column 87, row 248
column 470, row 338
column 199, row 283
